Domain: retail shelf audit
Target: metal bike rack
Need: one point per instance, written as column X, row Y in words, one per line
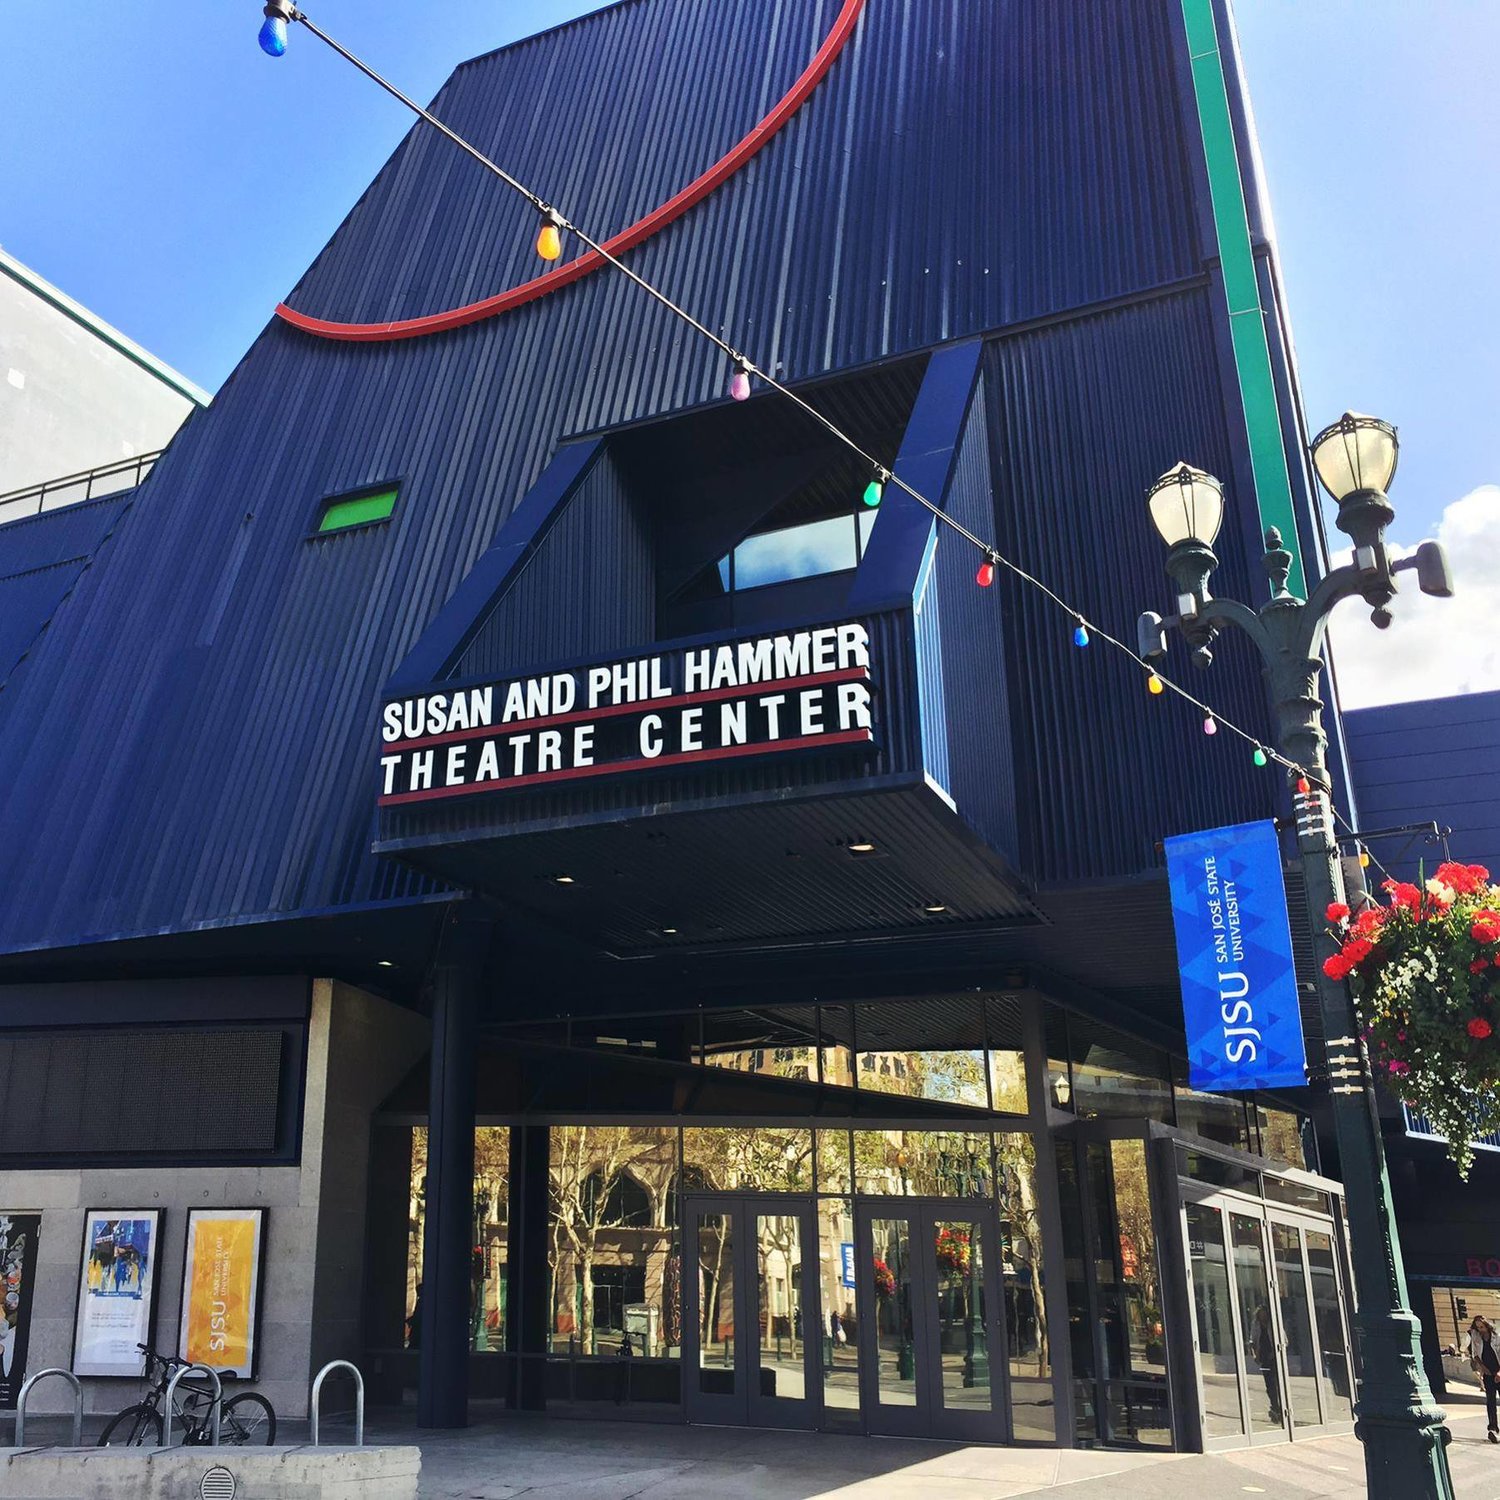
column 359, row 1400
column 31, row 1380
column 214, row 1410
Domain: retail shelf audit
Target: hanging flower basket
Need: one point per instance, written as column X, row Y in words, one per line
column 953, row 1251
column 1425, row 974
column 885, row 1283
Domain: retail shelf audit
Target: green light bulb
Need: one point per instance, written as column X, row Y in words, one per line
column 873, row 491
column 1260, row 756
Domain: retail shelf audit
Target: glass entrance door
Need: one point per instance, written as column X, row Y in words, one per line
column 934, row 1315
column 750, row 1316
column 1269, row 1337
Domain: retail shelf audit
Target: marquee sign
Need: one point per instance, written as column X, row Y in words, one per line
column 769, row 695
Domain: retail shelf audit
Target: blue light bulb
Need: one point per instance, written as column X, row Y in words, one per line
column 1081, row 635
column 273, row 37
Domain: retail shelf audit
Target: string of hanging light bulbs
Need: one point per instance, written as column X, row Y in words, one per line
column 553, row 224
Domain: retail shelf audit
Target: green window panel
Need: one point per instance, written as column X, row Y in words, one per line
column 357, row 510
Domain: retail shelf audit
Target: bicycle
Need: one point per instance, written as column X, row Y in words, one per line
column 246, row 1420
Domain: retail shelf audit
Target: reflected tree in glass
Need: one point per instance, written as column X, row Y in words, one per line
column 603, row 1179
column 491, row 1212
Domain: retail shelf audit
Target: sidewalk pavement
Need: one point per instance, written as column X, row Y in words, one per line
column 512, row 1455
column 604, row 1460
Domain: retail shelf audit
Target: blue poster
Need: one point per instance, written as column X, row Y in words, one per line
column 846, row 1258
column 1234, row 954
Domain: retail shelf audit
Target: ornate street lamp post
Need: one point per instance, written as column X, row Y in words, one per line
column 1400, row 1426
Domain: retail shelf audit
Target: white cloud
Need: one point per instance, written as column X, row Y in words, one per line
column 1434, row 647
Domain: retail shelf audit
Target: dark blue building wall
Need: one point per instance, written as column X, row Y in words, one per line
column 1077, row 413
column 191, row 742
column 1433, row 761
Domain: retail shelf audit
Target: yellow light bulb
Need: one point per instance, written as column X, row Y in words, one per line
column 549, row 241
column 1154, row 685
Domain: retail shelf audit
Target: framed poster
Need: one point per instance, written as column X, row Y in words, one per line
column 18, row 1238
column 221, row 1275
column 116, row 1290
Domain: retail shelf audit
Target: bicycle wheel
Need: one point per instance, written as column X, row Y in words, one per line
column 249, row 1421
column 135, row 1427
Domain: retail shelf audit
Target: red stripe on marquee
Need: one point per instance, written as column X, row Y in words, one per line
column 680, row 758
column 615, row 710
column 627, row 239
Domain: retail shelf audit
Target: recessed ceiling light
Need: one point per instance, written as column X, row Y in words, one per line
column 385, row 963
column 669, row 932
column 563, row 880
column 863, row 846
column 934, row 910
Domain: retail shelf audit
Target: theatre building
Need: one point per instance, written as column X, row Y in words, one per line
column 654, row 935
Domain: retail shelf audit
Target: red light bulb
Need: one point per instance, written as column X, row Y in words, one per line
column 986, row 574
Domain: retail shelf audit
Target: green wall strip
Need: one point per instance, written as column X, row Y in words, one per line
column 1252, row 355
column 358, row 510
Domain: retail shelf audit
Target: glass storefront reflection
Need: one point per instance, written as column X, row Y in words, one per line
column 1145, row 1347
column 613, row 1261
column 712, row 1235
column 838, row 1273
column 963, row 1350
column 1021, row 1269
column 1333, row 1351
column 489, row 1279
column 1301, row 1394
column 1218, row 1364
column 780, row 1333
column 749, row 1158
column 923, row 1163
column 890, row 1275
column 1258, row 1331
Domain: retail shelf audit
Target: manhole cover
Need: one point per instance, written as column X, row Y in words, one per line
column 217, row 1484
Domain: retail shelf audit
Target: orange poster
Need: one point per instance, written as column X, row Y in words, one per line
column 220, row 1289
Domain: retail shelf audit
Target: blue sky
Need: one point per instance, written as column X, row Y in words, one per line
column 164, row 172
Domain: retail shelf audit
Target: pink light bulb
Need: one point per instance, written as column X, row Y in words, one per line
column 739, row 383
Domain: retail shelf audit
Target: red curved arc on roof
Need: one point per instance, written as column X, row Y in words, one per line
column 626, row 239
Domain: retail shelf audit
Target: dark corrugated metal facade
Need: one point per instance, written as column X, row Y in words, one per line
column 1433, row 761
column 208, row 693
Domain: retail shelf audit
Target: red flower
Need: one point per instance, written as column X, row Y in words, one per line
column 1397, row 1066
column 1403, row 894
column 1357, row 950
column 1465, row 880
column 1368, row 922
column 1479, row 1028
column 1479, row 966
column 1485, row 930
column 1336, row 966
column 1337, row 911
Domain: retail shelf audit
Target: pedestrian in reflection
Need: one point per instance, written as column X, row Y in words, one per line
column 1484, row 1356
column 414, row 1322
column 1263, row 1346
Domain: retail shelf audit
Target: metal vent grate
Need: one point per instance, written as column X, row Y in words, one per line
column 217, row 1484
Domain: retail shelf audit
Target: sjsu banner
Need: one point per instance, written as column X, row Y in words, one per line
column 1234, row 951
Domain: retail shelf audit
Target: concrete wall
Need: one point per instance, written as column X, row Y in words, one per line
column 358, row 1048
column 373, row 1047
column 71, row 398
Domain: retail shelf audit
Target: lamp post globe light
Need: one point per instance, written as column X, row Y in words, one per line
column 1396, row 1419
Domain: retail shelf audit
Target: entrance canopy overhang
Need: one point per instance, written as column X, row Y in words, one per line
column 819, row 763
